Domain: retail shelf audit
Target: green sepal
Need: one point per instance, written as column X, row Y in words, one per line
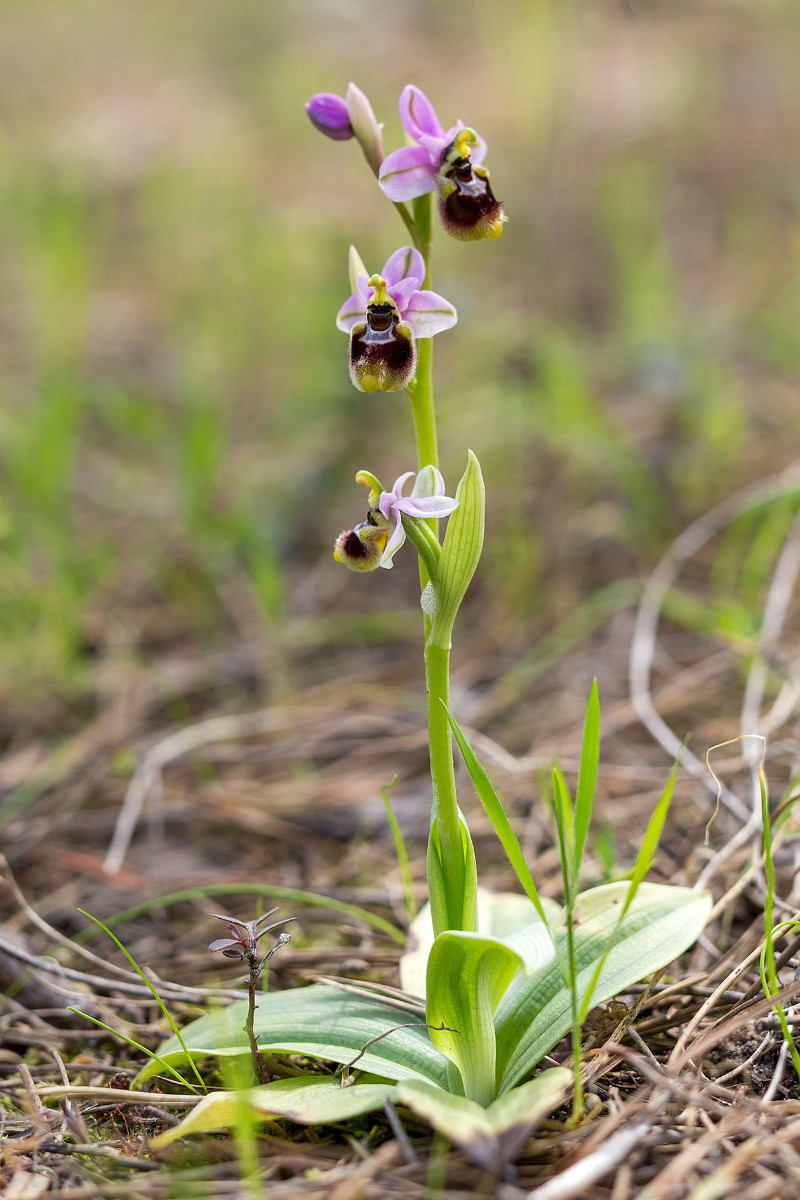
column 461, row 551
column 355, row 267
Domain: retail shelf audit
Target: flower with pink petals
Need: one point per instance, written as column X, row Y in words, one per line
column 427, row 500
column 384, row 316
column 447, row 161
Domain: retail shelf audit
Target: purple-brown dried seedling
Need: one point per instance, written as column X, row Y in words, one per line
column 243, row 945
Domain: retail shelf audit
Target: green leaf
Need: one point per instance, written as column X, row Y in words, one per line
column 500, row 915
column 308, row 1101
column 320, row 1021
column 565, row 827
column 535, row 1012
column 642, row 865
column 461, row 551
column 493, row 1136
column 467, row 976
column 442, row 887
column 587, row 775
column 497, row 815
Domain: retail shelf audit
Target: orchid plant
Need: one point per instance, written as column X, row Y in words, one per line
column 490, row 982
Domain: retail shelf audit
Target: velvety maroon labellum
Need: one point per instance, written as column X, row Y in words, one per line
column 383, row 353
column 468, row 208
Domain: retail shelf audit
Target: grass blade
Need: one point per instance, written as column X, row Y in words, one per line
column 167, row 1067
column 401, row 852
column 146, row 980
column 587, row 775
column 297, row 895
column 642, row 865
column 565, row 827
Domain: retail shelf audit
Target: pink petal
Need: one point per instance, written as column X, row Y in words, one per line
column 429, row 313
column 388, row 499
column 402, row 292
column 435, row 148
column 426, row 506
column 395, row 541
column 405, row 263
column 407, row 173
column 478, row 150
column 352, row 311
column 417, row 114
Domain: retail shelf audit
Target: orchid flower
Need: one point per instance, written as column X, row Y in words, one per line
column 384, row 316
column 370, row 545
column 344, row 117
column 427, row 499
column 443, row 160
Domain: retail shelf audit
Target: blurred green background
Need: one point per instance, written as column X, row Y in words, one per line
column 179, row 434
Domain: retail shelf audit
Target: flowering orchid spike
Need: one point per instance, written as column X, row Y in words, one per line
column 446, row 161
column 384, row 316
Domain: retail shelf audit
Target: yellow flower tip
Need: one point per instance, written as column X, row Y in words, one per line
column 381, row 295
column 368, row 480
column 370, row 384
column 462, row 142
column 495, row 228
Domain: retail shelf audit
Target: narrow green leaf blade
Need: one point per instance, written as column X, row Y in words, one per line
column 653, row 832
column 308, row 1101
column 497, row 815
column 565, row 827
column 320, row 1021
column 587, row 775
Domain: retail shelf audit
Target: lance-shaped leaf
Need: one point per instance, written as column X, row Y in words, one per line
column 461, row 551
column 467, row 977
column 320, row 1021
column 453, row 898
column 658, row 925
column 308, row 1101
column 493, row 1136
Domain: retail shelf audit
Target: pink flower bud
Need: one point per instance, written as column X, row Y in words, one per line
column 329, row 114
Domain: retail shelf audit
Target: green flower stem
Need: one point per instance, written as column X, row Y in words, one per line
column 408, row 221
column 422, row 407
column 437, row 657
column 445, row 804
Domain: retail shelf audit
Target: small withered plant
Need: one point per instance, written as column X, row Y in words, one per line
column 242, row 944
